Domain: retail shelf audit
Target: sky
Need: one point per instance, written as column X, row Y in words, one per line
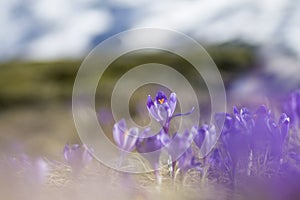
column 55, row 29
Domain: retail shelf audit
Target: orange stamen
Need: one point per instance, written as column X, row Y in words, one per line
column 161, row 101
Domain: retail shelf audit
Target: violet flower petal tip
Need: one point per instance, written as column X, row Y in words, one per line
column 172, row 102
column 119, row 130
column 150, row 102
column 173, row 97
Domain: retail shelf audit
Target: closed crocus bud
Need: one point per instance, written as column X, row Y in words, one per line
column 187, row 161
column 224, row 122
column 199, row 135
column 291, row 106
column 210, row 138
column 125, row 138
column 284, row 124
column 244, row 117
column 179, row 144
column 77, row 156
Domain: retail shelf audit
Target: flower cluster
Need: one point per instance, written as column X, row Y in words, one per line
column 252, row 141
column 162, row 110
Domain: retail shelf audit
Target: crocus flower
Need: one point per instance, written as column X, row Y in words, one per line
column 162, row 109
column 176, row 147
column 291, row 106
column 199, row 135
column 267, row 133
column 248, row 136
column 125, row 138
column 77, row 156
column 149, row 147
column 235, row 133
column 205, row 138
column 243, row 118
column 178, row 144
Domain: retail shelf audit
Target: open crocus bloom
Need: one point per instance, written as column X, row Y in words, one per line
column 162, row 108
column 125, row 138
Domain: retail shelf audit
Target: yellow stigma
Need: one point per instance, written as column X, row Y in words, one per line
column 161, row 101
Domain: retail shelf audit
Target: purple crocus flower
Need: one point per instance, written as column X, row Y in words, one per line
column 199, row 135
column 248, row 136
column 267, row 133
column 235, row 133
column 125, row 138
column 205, row 138
column 291, row 106
column 162, row 109
column 178, row 144
column 176, row 147
column 149, row 147
column 243, row 118
column 77, row 156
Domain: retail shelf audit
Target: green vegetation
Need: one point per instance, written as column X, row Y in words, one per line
column 23, row 83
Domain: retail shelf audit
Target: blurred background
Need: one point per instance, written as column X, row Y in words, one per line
column 255, row 44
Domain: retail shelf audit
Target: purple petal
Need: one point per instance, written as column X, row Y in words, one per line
column 236, row 110
column 262, row 110
column 162, row 113
column 284, row 123
column 187, row 161
column 224, row 122
column 152, row 109
column 272, row 126
column 119, row 130
column 130, row 139
column 77, row 156
column 165, row 139
column 199, row 136
column 87, row 156
column 149, row 102
column 172, row 102
column 179, row 143
column 150, row 144
column 66, row 152
column 125, row 139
